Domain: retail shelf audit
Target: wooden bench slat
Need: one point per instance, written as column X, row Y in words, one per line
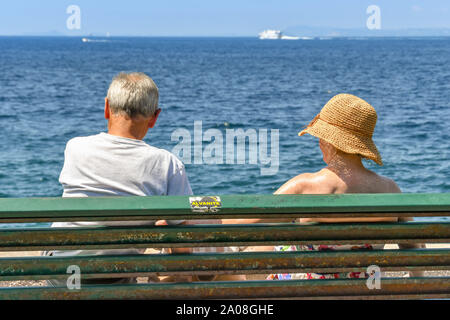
column 399, row 287
column 221, row 235
column 229, row 263
column 233, row 206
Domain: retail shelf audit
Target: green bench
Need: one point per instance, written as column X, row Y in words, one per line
column 230, row 207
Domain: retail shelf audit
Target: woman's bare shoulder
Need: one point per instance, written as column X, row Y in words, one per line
column 386, row 184
column 392, row 186
column 304, row 183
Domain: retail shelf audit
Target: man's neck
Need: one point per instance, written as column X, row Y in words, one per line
column 127, row 128
column 124, row 134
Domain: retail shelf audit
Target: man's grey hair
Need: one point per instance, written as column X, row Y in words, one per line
column 133, row 94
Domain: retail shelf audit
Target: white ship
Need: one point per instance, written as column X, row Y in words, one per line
column 94, row 40
column 275, row 35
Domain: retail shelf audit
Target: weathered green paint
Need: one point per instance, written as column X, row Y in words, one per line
column 245, row 206
column 248, row 206
column 235, row 263
column 221, row 235
column 400, row 288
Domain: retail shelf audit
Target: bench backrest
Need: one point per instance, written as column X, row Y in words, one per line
column 227, row 207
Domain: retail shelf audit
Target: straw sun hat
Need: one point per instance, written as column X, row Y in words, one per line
column 347, row 122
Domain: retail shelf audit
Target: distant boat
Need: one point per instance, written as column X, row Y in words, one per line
column 270, row 35
column 289, row 38
column 275, row 35
column 94, row 40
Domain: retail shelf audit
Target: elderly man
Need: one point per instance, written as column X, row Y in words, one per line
column 119, row 163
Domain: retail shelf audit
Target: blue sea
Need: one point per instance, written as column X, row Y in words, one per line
column 52, row 89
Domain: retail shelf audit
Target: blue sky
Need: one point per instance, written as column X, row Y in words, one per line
column 212, row 17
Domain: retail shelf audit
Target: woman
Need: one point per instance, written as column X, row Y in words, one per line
column 345, row 128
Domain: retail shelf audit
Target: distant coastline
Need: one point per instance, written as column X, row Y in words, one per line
column 374, row 37
column 297, row 31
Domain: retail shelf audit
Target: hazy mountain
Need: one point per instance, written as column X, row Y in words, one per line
column 306, row 31
column 302, row 31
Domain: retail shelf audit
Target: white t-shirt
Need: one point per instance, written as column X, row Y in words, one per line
column 106, row 165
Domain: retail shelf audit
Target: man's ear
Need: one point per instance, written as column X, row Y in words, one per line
column 153, row 120
column 107, row 109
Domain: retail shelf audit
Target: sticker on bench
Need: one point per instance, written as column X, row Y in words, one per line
column 205, row 204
